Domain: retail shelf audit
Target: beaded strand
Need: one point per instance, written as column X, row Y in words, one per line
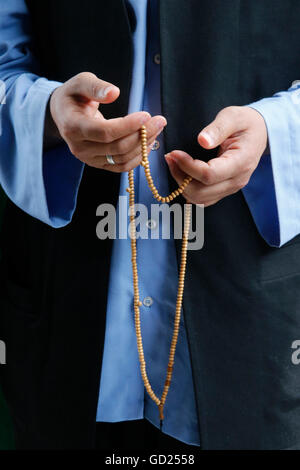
column 137, row 302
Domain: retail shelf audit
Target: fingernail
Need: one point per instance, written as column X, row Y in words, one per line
column 207, row 137
column 169, row 157
column 103, row 92
column 145, row 118
column 160, row 124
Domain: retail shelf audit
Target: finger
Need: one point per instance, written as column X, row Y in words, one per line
column 89, row 86
column 125, row 148
column 136, row 152
column 228, row 165
column 200, row 193
column 124, row 159
column 109, row 130
column 227, row 122
column 101, row 162
column 175, row 171
column 190, row 191
column 123, row 167
column 88, row 156
column 179, row 176
column 131, row 145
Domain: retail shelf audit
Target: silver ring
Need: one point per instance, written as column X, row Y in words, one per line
column 110, row 160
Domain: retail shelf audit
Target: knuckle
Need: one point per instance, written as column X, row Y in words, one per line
column 208, row 177
column 228, row 114
column 130, row 165
column 248, row 168
column 74, row 149
column 219, row 128
column 80, row 153
column 94, row 163
column 198, row 200
column 123, row 159
column 84, row 76
column 127, row 166
column 105, row 135
column 232, row 110
column 240, row 183
column 238, row 187
column 245, row 181
column 69, row 129
column 152, row 131
column 122, row 167
column 123, row 147
column 194, row 196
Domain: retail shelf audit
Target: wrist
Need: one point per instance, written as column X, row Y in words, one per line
column 52, row 135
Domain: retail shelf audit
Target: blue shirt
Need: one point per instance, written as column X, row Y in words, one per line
column 46, row 184
column 156, row 262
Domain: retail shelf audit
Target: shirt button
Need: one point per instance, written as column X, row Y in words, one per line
column 148, row 301
column 155, row 145
column 151, row 224
column 156, row 59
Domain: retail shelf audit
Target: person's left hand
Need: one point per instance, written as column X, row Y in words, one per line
column 242, row 136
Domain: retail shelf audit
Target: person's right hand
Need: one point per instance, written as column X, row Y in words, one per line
column 90, row 137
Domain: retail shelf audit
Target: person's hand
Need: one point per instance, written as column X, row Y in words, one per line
column 90, row 137
column 242, row 136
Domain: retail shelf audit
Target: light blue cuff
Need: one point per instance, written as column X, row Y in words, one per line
column 43, row 185
column 58, row 170
column 273, row 194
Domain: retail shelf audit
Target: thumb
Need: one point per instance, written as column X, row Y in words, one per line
column 227, row 122
column 89, row 86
